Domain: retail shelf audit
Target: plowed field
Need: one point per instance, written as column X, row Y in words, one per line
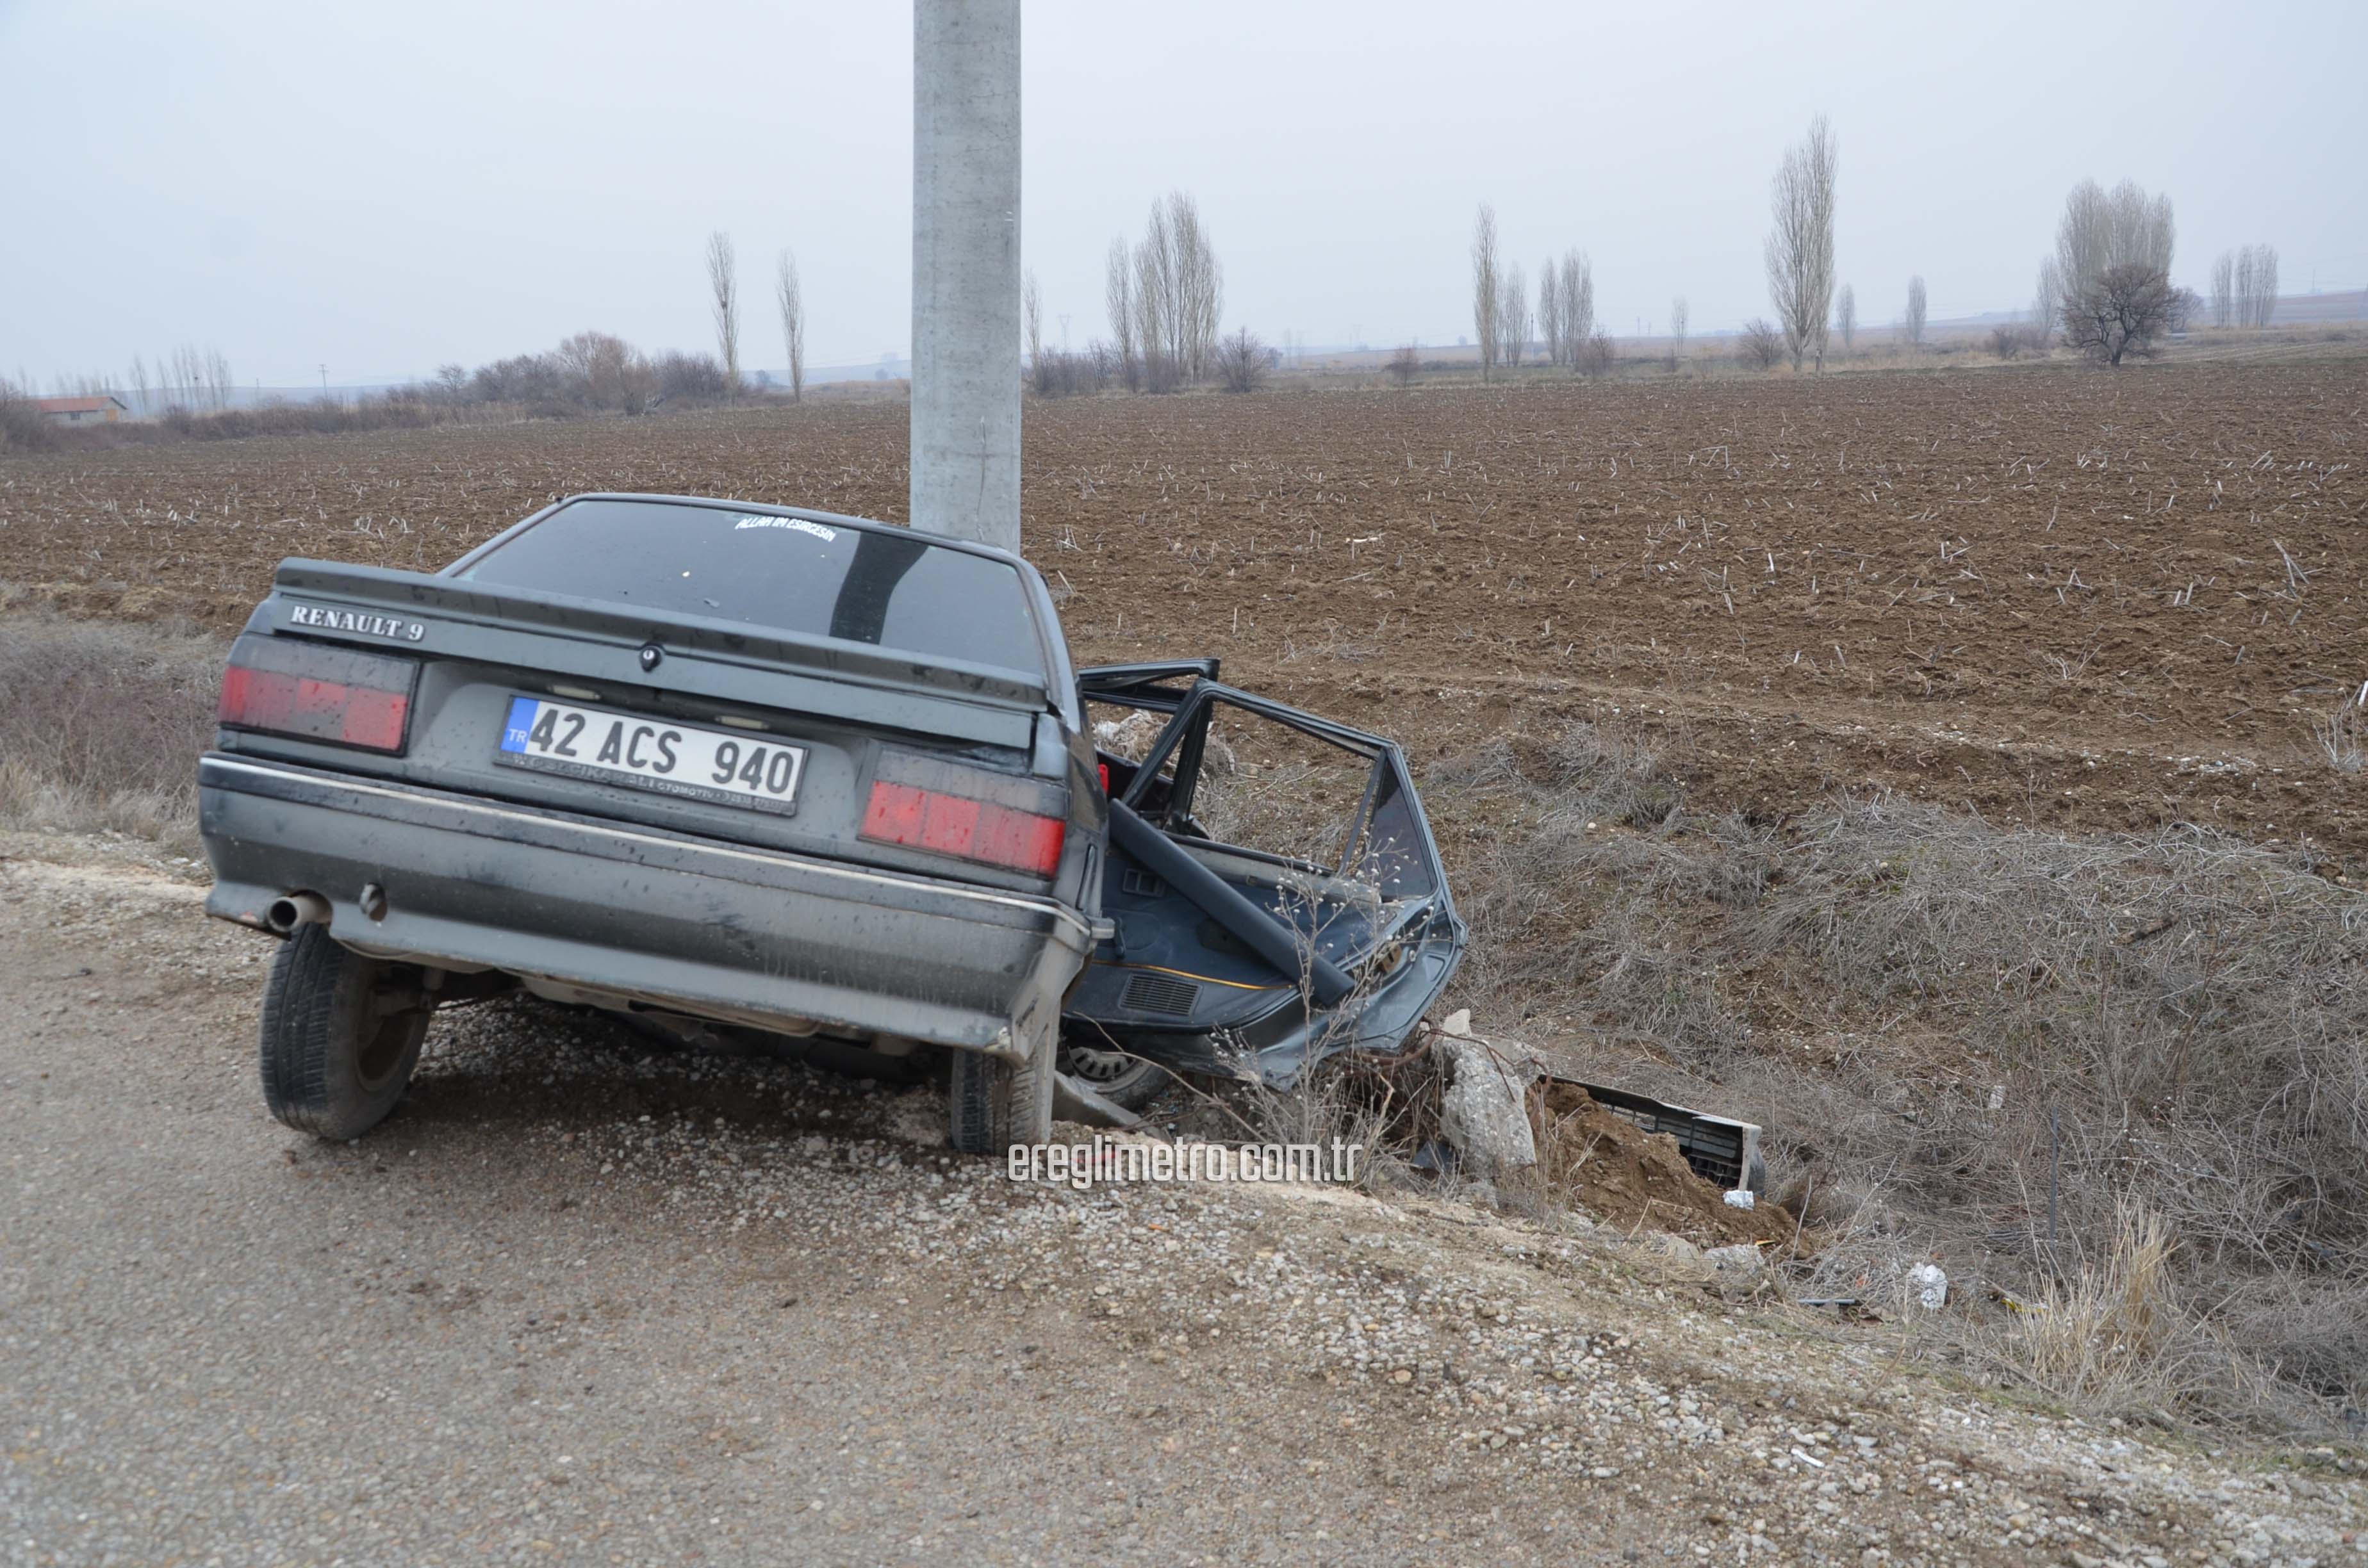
column 2049, row 595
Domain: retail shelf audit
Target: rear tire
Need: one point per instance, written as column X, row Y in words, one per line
column 1117, row 1077
column 993, row 1104
column 341, row 1034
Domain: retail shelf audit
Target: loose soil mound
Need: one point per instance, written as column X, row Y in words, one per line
column 1640, row 1180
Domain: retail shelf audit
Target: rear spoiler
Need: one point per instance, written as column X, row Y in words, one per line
column 529, row 610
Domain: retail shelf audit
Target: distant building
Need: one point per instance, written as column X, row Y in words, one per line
column 100, row 409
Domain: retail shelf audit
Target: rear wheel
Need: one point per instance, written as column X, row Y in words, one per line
column 993, row 1103
column 1117, row 1077
column 341, row 1034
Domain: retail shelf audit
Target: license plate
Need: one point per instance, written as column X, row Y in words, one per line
column 642, row 753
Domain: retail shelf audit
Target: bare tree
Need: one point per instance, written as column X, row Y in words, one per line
column 790, row 295
column 723, row 287
column 1200, row 288
column 1513, row 317
column 1178, row 293
column 180, row 375
column 1550, row 314
column 1676, row 332
column 2101, row 230
column 1761, row 346
column 140, row 382
column 2255, row 291
column 1031, row 309
column 1912, row 324
column 1405, row 363
column 1486, row 286
column 1846, row 317
column 604, row 371
column 2125, row 314
column 1800, row 251
column 1577, row 304
column 217, row 380
column 1118, row 304
column 2047, row 301
column 1242, row 362
column 2224, row 289
column 1155, row 267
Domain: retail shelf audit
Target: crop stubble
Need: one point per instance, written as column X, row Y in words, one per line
column 2051, row 594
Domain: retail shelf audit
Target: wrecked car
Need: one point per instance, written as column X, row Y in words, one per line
column 1273, row 892
column 715, row 767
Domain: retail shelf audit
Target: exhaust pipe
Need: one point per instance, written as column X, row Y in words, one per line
column 296, row 909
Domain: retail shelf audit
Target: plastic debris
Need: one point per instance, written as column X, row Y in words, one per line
column 1930, row 1285
column 1741, row 1198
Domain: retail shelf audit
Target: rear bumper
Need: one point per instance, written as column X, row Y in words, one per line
column 748, row 936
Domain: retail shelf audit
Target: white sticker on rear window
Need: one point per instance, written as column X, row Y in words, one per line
column 828, row 536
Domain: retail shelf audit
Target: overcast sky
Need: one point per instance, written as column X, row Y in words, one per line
column 387, row 187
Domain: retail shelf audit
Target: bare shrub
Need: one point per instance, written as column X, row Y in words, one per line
column 1760, row 346
column 2063, row 1034
column 1596, row 353
column 103, row 726
column 1243, row 362
column 692, row 378
column 22, row 428
column 1059, row 373
column 1406, row 365
column 602, row 371
column 2014, row 339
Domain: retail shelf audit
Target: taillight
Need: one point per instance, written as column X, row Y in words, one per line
column 289, row 686
column 993, row 819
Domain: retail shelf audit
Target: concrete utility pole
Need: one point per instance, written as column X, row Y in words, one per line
column 965, row 459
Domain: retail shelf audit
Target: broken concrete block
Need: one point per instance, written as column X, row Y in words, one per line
column 1485, row 1111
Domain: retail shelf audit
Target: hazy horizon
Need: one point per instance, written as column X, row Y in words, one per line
column 302, row 186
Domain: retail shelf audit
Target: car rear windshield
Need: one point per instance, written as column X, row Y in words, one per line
column 887, row 586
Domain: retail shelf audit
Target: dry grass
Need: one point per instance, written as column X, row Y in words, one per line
column 102, row 725
column 1992, row 1045
column 2341, row 737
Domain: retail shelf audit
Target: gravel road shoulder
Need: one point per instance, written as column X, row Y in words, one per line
column 582, row 1302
